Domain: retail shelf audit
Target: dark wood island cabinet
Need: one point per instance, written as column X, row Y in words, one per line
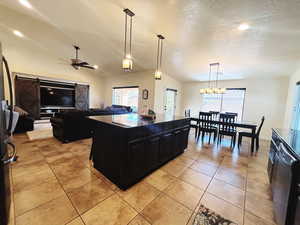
column 126, row 147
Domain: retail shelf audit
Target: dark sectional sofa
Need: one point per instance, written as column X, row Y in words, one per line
column 74, row 125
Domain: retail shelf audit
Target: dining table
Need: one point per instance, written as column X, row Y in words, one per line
column 240, row 124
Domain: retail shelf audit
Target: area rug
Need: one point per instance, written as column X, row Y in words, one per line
column 206, row 216
column 39, row 134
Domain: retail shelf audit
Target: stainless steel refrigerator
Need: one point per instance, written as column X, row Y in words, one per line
column 7, row 149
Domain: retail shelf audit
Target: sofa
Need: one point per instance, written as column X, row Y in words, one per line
column 74, row 125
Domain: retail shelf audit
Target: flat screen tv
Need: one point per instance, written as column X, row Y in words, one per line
column 58, row 97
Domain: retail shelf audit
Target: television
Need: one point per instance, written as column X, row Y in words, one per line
column 57, row 97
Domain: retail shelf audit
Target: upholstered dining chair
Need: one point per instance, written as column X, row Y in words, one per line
column 255, row 137
column 227, row 128
column 205, row 125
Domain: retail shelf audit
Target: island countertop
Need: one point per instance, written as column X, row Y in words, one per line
column 134, row 120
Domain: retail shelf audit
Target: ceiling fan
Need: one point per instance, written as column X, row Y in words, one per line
column 77, row 63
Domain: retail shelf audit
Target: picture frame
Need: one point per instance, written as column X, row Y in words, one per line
column 145, row 94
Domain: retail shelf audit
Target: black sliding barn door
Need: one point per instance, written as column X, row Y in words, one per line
column 82, row 97
column 28, row 95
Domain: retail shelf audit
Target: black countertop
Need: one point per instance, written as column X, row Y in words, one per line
column 134, row 120
column 291, row 138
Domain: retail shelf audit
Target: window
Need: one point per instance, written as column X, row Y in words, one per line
column 231, row 101
column 128, row 96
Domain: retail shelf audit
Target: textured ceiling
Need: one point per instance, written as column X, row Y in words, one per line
column 198, row 32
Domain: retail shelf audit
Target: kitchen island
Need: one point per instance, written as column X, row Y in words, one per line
column 127, row 147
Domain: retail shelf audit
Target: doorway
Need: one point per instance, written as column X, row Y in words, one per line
column 170, row 102
column 296, row 109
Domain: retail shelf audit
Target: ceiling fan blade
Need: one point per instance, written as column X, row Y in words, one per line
column 88, row 66
column 82, row 63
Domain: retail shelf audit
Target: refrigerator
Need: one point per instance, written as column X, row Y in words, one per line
column 7, row 149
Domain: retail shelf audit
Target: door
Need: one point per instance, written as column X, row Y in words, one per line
column 296, row 109
column 4, row 166
column 170, row 102
column 28, row 95
column 82, row 100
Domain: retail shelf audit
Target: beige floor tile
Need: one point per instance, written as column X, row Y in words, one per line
column 139, row 195
column 111, row 211
column 77, row 221
column 231, row 177
column 139, row 220
column 160, row 179
column 106, row 180
column 56, row 212
column 184, row 160
column 251, row 219
column 227, row 192
column 164, row 210
column 185, row 193
column 202, row 167
column 259, row 188
column 35, row 195
column 195, row 178
column 89, row 195
column 174, row 168
column 223, row 208
column 263, row 210
column 25, row 182
column 29, row 168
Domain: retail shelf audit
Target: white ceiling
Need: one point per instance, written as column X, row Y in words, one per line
column 198, row 32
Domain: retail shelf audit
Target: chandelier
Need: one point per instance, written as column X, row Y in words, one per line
column 158, row 72
column 127, row 60
column 213, row 85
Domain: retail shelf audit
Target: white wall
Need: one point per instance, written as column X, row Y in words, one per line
column 291, row 99
column 264, row 97
column 144, row 80
column 36, row 62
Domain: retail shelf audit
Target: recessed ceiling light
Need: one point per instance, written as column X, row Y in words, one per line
column 18, row 33
column 26, row 3
column 244, row 26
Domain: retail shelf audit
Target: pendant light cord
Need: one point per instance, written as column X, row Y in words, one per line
column 157, row 58
column 161, row 49
column 125, row 46
column 130, row 35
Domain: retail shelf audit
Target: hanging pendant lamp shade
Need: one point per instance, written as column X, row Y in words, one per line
column 127, row 62
column 158, row 72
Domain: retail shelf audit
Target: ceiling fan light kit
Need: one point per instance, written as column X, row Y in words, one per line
column 210, row 89
column 127, row 62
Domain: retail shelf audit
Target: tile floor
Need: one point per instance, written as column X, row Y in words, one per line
column 55, row 184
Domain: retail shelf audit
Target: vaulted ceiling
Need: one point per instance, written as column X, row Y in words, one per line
column 198, row 32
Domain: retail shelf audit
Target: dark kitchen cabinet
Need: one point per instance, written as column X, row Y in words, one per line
column 165, row 149
column 152, row 153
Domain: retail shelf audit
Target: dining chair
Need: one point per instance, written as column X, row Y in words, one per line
column 232, row 113
column 215, row 116
column 254, row 137
column 187, row 113
column 205, row 125
column 227, row 128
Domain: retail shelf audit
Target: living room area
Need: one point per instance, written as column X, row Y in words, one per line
column 129, row 112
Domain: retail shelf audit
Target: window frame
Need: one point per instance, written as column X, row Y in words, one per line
column 126, row 87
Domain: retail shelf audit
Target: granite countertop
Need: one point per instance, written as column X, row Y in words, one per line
column 291, row 138
column 133, row 120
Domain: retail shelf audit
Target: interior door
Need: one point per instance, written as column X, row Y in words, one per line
column 170, row 102
column 4, row 167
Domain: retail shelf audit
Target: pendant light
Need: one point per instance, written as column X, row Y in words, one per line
column 210, row 89
column 127, row 60
column 158, row 72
